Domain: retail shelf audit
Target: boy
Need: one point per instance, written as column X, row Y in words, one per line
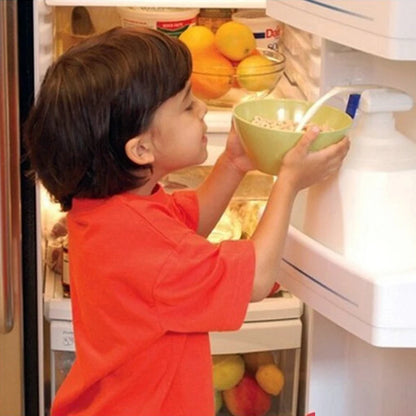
column 113, row 116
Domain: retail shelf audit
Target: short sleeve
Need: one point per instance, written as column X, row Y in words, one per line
column 185, row 205
column 206, row 287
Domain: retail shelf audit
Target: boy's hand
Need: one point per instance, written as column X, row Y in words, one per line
column 302, row 168
column 236, row 153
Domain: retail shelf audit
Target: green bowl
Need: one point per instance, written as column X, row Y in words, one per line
column 266, row 146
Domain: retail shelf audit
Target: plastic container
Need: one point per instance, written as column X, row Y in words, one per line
column 266, row 30
column 172, row 21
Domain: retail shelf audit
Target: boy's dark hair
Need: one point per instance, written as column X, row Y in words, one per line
column 92, row 100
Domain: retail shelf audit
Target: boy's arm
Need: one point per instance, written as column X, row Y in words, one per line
column 299, row 170
column 215, row 192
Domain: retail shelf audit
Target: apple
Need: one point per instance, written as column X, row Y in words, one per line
column 247, row 398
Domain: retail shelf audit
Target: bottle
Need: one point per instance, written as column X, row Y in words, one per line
column 366, row 211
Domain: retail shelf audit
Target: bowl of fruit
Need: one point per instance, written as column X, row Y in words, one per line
column 267, row 128
column 227, row 67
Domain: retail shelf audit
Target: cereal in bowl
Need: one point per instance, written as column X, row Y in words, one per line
column 288, row 125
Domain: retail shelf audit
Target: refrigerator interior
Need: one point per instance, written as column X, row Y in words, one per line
column 52, row 37
column 314, row 65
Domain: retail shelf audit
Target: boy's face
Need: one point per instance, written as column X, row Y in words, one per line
column 178, row 133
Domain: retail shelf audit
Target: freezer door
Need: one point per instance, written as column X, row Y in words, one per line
column 11, row 339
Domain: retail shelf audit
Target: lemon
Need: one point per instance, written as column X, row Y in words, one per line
column 228, row 370
column 197, row 38
column 270, row 378
column 257, row 73
column 235, row 40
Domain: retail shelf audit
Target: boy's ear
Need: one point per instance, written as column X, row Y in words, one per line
column 138, row 150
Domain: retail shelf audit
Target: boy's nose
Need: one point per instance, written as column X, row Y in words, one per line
column 202, row 108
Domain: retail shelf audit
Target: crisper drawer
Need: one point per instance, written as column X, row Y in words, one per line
column 258, row 336
column 255, row 369
column 62, row 353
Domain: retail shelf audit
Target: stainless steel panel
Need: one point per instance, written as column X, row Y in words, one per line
column 11, row 345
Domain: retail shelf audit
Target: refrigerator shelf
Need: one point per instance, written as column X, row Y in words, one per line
column 162, row 3
column 282, row 306
column 378, row 308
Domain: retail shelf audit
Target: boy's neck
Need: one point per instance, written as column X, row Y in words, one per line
column 146, row 189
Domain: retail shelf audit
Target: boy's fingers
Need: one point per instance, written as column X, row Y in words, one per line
column 341, row 148
column 308, row 137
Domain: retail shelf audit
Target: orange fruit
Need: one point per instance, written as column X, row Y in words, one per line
column 270, row 378
column 197, row 38
column 212, row 74
column 257, row 73
column 235, row 40
column 255, row 52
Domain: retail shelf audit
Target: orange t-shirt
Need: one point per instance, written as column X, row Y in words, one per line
column 145, row 291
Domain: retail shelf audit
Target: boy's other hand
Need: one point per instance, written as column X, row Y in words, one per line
column 302, row 168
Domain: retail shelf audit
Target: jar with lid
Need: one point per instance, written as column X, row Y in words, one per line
column 214, row 18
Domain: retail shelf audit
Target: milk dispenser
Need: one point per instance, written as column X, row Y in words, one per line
column 365, row 210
